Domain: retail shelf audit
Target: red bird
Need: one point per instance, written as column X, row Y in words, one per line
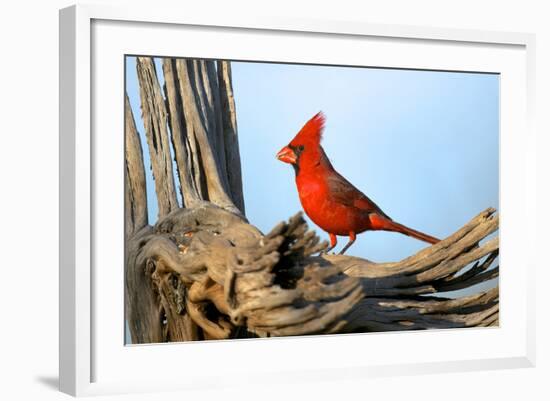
column 330, row 200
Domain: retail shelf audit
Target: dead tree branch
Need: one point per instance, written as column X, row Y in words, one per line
column 154, row 119
column 135, row 192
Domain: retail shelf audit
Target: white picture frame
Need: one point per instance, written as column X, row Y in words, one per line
column 93, row 360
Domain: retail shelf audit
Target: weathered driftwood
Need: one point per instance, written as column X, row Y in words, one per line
column 231, row 279
column 229, row 133
column 154, row 119
column 206, row 164
column 135, row 192
column 181, row 135
column 203, row 272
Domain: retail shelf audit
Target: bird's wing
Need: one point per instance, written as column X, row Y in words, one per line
column 342, row 191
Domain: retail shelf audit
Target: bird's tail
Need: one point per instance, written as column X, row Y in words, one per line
column 380, row 223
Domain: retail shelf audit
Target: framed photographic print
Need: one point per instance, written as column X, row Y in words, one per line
column 289, row 196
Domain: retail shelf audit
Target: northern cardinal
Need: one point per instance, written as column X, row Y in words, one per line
column 330, row 200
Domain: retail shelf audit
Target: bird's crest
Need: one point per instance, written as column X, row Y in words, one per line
column 311, row 132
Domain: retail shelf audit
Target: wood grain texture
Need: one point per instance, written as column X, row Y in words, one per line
column 229, row 127
column 155, row 122
column 135, row 204
column 181, row 135
column 195, row 112
column 143, row 313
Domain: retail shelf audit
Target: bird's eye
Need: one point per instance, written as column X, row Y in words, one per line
column 301, row 148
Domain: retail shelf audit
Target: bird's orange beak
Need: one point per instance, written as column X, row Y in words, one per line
column 286, row 155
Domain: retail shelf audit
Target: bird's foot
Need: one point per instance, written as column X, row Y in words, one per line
column 327, row 252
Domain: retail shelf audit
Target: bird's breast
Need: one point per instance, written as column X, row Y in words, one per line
column 331, row 216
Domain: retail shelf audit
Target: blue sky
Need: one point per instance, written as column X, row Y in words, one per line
column 422, row 144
